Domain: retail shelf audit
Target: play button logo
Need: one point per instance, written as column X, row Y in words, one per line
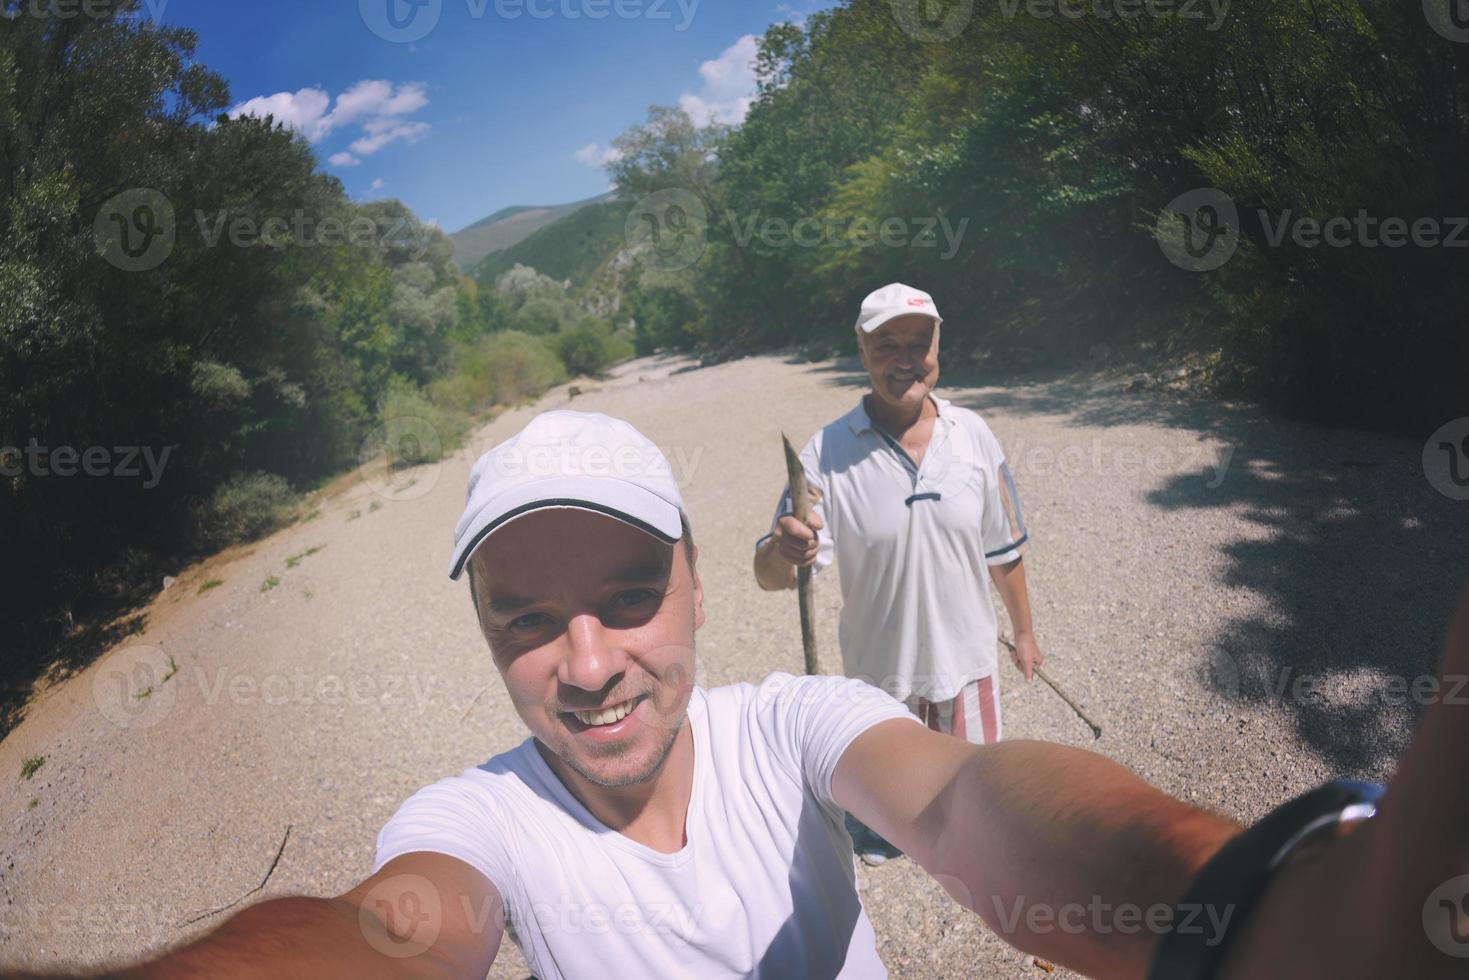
column 401, row 21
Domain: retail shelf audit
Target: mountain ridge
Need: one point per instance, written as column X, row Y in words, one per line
column 508, row 227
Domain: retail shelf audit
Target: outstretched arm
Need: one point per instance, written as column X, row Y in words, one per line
column 422, row 915
column 1050, row 844
column 1041, row 840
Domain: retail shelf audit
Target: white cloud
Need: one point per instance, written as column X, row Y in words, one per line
column 377, row 185
column 378, row 107
column 304, row 111
column 383, row 133
column 378, row 99
column 726, row 95
column 729, row 86
column 596, row 157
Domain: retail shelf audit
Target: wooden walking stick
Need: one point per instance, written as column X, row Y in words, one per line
column 1096, row 729
column 801, row 508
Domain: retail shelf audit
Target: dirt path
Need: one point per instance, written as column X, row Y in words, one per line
column 1188, row 556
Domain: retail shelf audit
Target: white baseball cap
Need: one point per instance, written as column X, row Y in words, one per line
column 580, row 460
column 892, row 301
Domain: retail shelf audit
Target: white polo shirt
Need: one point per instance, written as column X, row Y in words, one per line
column 764, row 886
column 913, row 545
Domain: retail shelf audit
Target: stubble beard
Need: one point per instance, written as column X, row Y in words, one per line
column 670, row 730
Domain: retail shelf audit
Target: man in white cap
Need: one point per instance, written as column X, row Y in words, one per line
column 651, row 828
column 915, row 503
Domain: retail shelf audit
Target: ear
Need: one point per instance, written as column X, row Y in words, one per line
column 698, row 590
column 862, row 351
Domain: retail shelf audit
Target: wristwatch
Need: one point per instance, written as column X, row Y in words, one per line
column 1236, row 877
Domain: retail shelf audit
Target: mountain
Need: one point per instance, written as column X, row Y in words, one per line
column 571, row 248
column 507, row 227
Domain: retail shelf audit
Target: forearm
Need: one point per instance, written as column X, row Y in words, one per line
column 1066, row 854
column 1010, row 583
column 285, row 939
column 772, row 572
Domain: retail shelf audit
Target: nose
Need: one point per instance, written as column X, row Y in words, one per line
column 593, row 657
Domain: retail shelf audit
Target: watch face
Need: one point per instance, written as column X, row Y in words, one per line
column 1332, row 825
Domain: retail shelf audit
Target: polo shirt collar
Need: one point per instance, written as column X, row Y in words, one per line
column 859, row 421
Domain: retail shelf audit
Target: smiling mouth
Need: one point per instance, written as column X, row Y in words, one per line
column 609, row 715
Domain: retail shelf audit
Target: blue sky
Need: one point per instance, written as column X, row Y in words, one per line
column 498, row 102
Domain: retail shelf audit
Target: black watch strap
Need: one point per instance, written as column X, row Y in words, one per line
column 1235, row 878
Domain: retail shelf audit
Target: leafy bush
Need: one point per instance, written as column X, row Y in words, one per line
column 503, row 368
column 521, row 284
column 219, row 385
column 591, row 347
column 665, row 316
column 547, row 316
column 412, row 429
column 243, row 508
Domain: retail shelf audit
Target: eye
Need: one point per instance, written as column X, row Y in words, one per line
column 633, row 598
column 529, row 621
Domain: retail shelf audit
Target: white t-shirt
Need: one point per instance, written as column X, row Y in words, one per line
column 913, row 545
column 764, row 886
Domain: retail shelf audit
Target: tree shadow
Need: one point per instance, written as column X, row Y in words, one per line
column 1358, row 557
column 46, row 653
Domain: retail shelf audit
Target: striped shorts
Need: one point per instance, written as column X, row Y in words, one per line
column 973, row 715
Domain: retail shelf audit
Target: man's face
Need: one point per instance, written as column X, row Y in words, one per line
column 902, row 360
column 591, row 623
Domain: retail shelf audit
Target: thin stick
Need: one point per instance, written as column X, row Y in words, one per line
column 269, row 871
column 801, row 508
column 1096, row 729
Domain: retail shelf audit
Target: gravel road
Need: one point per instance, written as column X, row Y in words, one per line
column 1227, row 594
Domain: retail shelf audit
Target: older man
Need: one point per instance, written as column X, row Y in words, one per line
column 652, row 828
column 916, row 505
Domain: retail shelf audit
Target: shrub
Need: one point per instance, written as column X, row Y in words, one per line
column 219, row 385
column 412, row 429
column 547, row 316
column 243, row 508
column 591, row 347
column 502, row 368
column 521, row 283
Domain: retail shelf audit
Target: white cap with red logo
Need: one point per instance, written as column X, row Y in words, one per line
column 893, row 301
